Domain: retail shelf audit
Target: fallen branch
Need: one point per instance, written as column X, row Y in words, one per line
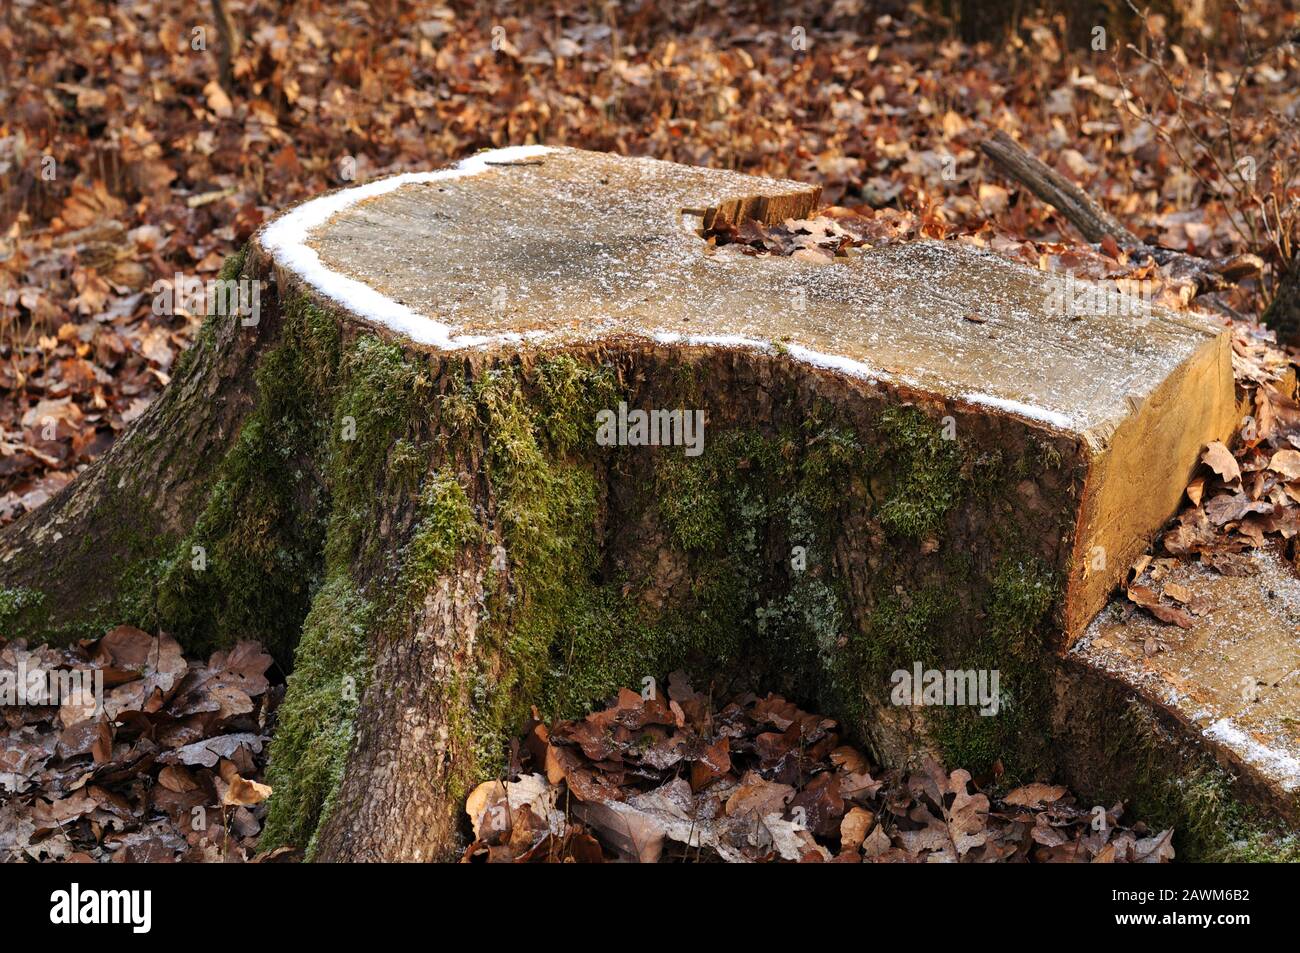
column 1096, row 224
column 1057, row 191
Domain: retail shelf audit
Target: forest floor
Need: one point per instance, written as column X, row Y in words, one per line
column 172, row 769
column 673, row 776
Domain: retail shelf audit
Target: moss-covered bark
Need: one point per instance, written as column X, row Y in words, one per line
column 92, row 556
column 1114, row 748
column 315, row 727
column 552, row 571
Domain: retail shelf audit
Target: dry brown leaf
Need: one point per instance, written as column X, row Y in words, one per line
column 1036, row 794
column 218, row 101
column 1287, row 463
column 854, row 827
column 244, row 792
column 1149, row 600
column 1220, row 459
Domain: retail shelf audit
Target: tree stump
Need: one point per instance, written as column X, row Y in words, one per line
column 1232, row 677
column 422, row 475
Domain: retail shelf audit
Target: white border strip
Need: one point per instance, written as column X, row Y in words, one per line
column 1276, row 764
column 286, row 240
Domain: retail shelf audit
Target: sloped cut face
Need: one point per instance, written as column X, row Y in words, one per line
column 537, row 247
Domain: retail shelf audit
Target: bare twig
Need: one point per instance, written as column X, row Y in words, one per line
column 229, row 44
column 1096, row 224
column 1215, row 132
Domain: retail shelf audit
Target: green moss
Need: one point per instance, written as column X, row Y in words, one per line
column 926, row 473
column 903, row 628
column 690, row 501
column 406, row 462
column 740, row 514
column 1188, row 791
column 314, row 729
column 381, row 395
column 22, row 612
column 1023, row 593
column 446, row 524
column 133, row 601
column 833, row 457
column 308, row 458
column 724, row 511
column 983, row 472
column 1262, row 845
column 457, row 408
column 248, row 567
column 600, row 645
column 569, row 394
column 1021, row 596
column 233, row 266
column 686, row 383
column 925, row 624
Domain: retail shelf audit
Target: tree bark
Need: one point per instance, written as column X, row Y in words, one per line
column 1283, row 312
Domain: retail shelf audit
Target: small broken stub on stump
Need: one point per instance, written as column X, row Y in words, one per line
column 536, row 248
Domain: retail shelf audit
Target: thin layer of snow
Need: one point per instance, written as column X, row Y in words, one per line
column 860, row 369
column 833, row 362
column 1064, row 421
column 807, row 355
column 1276, row 764
column 286, row 239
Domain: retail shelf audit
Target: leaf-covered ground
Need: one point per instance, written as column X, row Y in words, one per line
column 653, row 778
column 169, row 769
